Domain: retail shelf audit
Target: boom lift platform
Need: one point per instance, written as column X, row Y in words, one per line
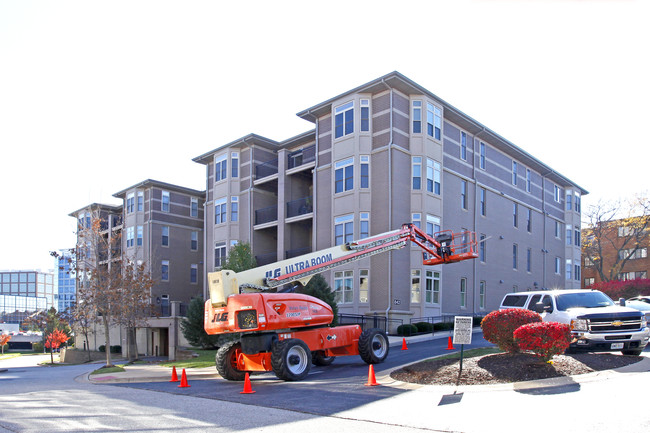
column 287, row 332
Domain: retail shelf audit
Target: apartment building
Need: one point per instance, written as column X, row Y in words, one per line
column 160, row 225
column 386, row 153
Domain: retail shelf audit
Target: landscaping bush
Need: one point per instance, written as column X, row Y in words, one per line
column 443, row 326
column 407, row 330
column 476, row 321
column 544, row 339
column 37, row 347
column 424, row 326
column 116, row 349
column 102, row 348
column 499, row 326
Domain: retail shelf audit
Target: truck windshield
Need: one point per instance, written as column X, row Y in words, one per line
column 583, row 300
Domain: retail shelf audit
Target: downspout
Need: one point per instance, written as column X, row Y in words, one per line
column 474, row 262
column 314, row 183
column 205, row 233
column 390, row 202
column 545, row 215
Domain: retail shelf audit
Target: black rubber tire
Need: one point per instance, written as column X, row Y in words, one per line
column 373, row 346
column 291, row 359
column 318, row 358
column 226, row 360
column 633, row 352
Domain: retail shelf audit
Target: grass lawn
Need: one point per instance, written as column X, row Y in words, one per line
column 104, row 370
column 17, row 353
column 205, row 359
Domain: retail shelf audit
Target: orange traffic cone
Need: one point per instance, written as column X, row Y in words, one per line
column 450, row 346
column 247, row 386
column 371, row 377
column 184, row 383
column 174, row 375
column 404, row 344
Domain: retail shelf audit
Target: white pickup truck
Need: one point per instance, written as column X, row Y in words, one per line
column 597, row 323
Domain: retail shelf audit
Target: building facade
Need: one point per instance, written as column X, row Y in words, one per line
column 66, row 285
column 386, row 153
column 159, row 225
column 23, row 293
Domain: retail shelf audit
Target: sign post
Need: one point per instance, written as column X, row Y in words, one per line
column 462, row 335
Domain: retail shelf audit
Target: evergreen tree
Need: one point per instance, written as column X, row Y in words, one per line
column 192, row 326
column 318, row 288
column 240, row 258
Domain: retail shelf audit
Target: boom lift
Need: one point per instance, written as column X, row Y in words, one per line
column 286, row 332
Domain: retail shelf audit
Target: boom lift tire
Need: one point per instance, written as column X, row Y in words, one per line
column 318, row 358
column 226, row 360
column 373, row 346
column 291, row 359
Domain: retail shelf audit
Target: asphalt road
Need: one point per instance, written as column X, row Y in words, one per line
column 325, row 391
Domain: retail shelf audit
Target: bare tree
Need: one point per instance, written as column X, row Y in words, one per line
column 616, row 232
column 135, row 302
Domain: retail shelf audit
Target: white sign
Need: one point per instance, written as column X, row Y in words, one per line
column 462, row 330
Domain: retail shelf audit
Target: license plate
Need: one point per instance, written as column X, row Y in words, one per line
column 617, row 346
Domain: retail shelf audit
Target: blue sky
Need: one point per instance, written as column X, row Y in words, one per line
column 97, row 96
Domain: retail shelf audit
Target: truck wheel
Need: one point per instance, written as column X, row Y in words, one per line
column 226, row 360
column 635, row 352
column 318, row 358
column 291, row 359
column 373, row 346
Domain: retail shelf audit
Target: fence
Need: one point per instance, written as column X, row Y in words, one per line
column 367, row 322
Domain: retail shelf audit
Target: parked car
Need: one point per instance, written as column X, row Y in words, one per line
column 642, row 306
column 597, row 323
column 645, row 299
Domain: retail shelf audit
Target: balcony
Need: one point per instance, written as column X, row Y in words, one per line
column 301, row 157
column 266, row 215
column 296, row 252
column 302, row 206
column 266, row 169
column 266, row 259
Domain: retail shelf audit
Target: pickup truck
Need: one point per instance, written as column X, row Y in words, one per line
column 597, row 323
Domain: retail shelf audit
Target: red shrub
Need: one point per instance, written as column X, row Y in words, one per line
column 616, row 289
column 544, row 339
column 499, row 326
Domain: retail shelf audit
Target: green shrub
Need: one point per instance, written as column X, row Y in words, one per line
column 476, row 321
column 407, row 330
column 102, row 348
column 424, row 326
column 116, row 349
column 443, row 326
column 499, row 326
column 37, row 347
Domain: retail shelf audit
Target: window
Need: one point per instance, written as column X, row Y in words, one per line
column 139, row 237
column 416, row 168
column 481, row 295
column 514, row 172
column 589, row 281
column 577, row 206
column 220, row 168
column 194, row 207
column 364, row 285
column 515, row 252
column 417, row 117
column 576, row 237
column 364, row 225
column 463, row 145
column 165, row 201
column 365, row 171
column 463, row 292
column 194, row 241
column 482, row 248
column 463, row 194
column 343, row 229
column 529, row 220
column 556, row 193
column 515, row 212
column 234, row 164
column 130, row 235
column 194, row 274
column 416, row 218
column 625, row 231
column 529, row 260
column 569, row 200
column 576, row 272
column 433, row 176
column 568, row 269
column 528, row 181
column 415, row 286
column 434, row 121
column 164, row 274
column 481, row 162
column 483, row 201
column 344, row 175
column 632, row 254
column 558, row 229
column 234, row 209
column 557, row 266
column 344, row 120
column 220, row 211
column 130, row 203
column 165, row 236
column 219, row 254
column 569, row 234
column 365, row 114
column 433, row 225
column 432, row 287
column 343, row 290
column 140, row 201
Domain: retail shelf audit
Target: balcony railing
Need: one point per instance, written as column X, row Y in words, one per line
column 266, row 259
column 296, row 252
column 300, row 157
column 266, row 215
column 298, row 207
column 268, row 168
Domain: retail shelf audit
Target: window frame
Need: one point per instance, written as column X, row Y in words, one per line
column 416, row 116
column 463, row 293
column 364, row 165
column 346, row 168
column 364, row 106
column 194, row 243
column 364, row 286
column 164, row 270
column 164, row 236
column 346, row 111
column 345, row 222
column 344, row 287
column 234, row 209
column 221, row 210
column 415, row 293
column 220, row 167
column 416, row 162
column 219, row 258
column 194, row 207
column 463, row 145
column 165, row 202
